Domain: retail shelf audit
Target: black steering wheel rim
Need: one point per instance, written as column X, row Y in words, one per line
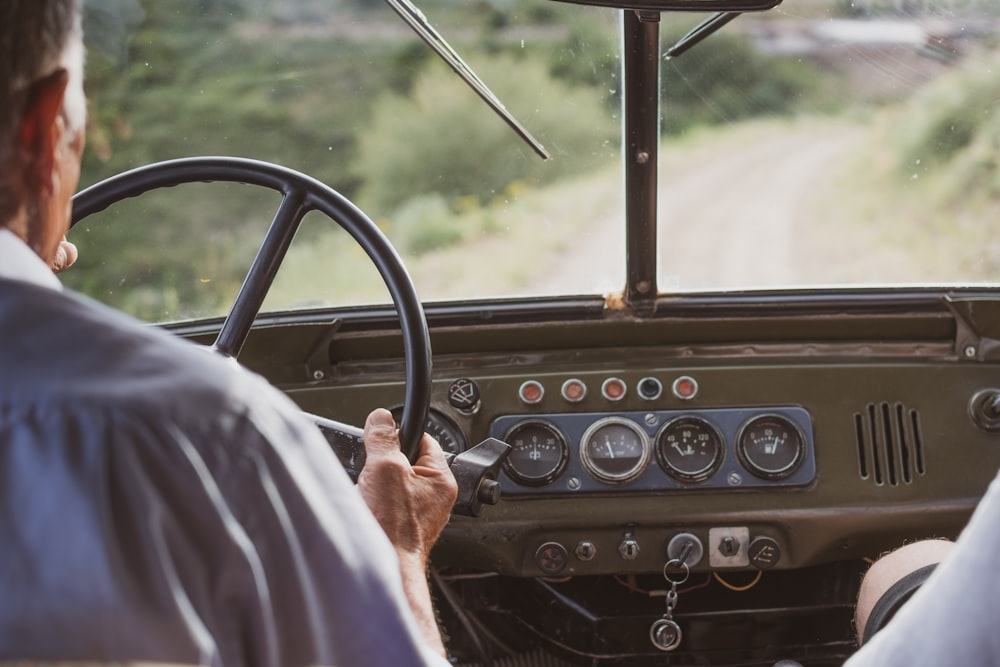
column 301, row 194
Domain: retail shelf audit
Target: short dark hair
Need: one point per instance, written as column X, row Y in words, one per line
column 36, row 38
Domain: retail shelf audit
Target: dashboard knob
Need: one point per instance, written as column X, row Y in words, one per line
column 551, row 558
column 464, row 396
column 764, row 553
column 984, row 408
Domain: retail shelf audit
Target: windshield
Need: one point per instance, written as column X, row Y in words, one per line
column 819, row 143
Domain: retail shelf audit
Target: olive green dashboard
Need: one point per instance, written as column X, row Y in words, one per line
column 876, row 399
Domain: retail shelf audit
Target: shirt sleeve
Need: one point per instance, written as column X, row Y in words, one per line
column 326, row 587
column 951, row 619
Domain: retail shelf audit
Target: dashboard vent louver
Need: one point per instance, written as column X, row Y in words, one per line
column 890, row 448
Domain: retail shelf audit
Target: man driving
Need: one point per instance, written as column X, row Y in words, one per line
column 158, row 503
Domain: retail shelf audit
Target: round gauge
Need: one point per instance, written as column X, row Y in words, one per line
column 770, row 446
column 443, row 429
column 615, row 450
column 538, row 453
column 689, row 449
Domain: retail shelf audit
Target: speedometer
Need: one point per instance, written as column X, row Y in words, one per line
column 615, row 450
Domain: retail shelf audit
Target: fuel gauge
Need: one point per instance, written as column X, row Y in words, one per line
column 771, row 446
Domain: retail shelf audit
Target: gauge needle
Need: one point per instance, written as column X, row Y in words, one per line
column 611, row 452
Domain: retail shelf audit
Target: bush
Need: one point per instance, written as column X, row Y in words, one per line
column 424, row 224
column 725, row 79
column 443, row 139
column 955, row 122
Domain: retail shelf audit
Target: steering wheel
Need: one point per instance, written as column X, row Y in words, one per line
column 301, row 194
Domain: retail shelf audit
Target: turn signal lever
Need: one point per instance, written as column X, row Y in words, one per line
column 476, row 472
column 475, row 469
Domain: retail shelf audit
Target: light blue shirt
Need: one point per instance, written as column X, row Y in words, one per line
column 954, row 618
column 160, row 504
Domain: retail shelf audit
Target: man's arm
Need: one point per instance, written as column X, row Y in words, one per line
column 412, row 504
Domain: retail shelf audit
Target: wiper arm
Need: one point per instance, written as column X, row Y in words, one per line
column 418, row 22
column 703, row 30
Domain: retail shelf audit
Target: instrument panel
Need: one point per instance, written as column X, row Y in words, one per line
column 652, row 450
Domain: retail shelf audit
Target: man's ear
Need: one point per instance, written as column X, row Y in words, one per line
column 39, row 136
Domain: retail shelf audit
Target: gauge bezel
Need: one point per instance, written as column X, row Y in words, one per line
column 700, row 475
column 754, row 468
column 595, row 471
column 533, row 480
column 440, row 422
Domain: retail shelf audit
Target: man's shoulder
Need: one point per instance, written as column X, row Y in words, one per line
column 61, row 346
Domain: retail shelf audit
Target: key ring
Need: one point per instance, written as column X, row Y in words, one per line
column 675, row 563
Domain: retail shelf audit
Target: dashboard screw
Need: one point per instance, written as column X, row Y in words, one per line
column 734, row 479
column 652, row 420
column 970, row 351
column 318, row 375
column 573, row 483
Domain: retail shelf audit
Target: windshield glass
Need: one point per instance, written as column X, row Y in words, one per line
column 820, row 143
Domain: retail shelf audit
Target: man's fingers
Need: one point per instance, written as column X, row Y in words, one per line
column 382, row 440
column 381, row 434
column 431, row 454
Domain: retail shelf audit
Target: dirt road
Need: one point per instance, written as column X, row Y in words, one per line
column 730, row 216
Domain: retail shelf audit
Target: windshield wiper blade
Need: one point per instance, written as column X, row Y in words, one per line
column 420, row 25
column 699, row 33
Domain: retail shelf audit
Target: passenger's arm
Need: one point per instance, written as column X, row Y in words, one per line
column 892, row 578
column 412, row 504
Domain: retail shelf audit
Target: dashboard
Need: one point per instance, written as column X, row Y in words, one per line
column 808, row 451
column 769, row 447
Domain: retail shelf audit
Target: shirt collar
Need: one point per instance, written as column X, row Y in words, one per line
column 19, row 262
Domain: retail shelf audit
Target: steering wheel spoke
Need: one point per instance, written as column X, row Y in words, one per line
column 301, row 194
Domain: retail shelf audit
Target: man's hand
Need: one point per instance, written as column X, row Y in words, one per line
column 411, row 503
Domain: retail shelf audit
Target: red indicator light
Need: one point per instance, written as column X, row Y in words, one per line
column 613, row 389
column 574, row 390
column 531, row 392
column 685, row 387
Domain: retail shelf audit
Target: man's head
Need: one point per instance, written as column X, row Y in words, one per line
column 42, row 117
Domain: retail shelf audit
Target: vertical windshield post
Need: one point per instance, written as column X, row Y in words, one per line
column 642, row 137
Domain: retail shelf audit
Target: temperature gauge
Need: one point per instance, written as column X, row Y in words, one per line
column 771, row 446
column 538, row 453
column 689, row 449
